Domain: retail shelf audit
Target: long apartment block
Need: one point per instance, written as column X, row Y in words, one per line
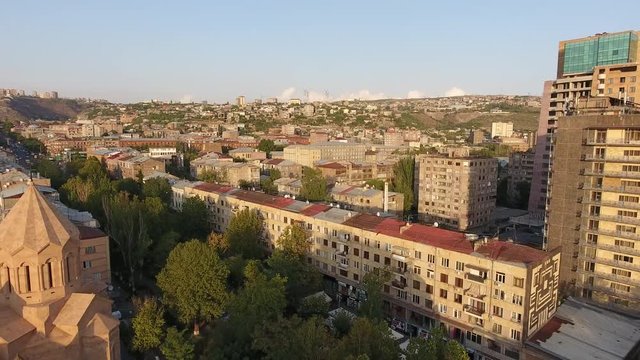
column 488, row 294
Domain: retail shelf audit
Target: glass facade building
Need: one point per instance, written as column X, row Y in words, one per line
column 583, row 56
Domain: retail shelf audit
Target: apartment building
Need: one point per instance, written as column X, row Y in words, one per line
column 501, row 129
column 594, row 203
column 458, row 192
column 287, row 168
column 308, row 155
column 248, row 154
column 604, row 65
column 355, row 173
column 231, row 173
column 368, row 199
column 520, row 170
column 489, row 295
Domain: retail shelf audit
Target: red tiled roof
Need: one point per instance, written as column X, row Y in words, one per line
column 263, row 199
column 216, row 188
column 364, row 221
column 273, row 161
column 505, row 251
column 332, row 165
column 314, row 209
column 346, row 191
column 90, row 233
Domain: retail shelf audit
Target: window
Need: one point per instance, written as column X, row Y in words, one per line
column 444, row 278
column 459, row 282
column 620, row 287
column 457, row 298
column 621, row 272
column 90, row 250
column 444, row 262
column 498, row 294
column 517, row 299
column 443, row 293
column 431, row 258
column 497, row 311
column 497, row 328
column 428, row 289
column 416, row 284
column 500, row 277
column 516, row 317
column 515, row 334
column 86, row 264
column 471, row 336
column 376, row 258
column 459, row 266
column 365, row 255
column 623, row 258
column 457, row 313
column 518, row 282
column 442, row 308
column 625, row 243
column 418, row 255
column 415, row 298
column 416, row 270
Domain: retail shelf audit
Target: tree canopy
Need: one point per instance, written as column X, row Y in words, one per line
column 148, row 325
column 158, row 187
column 194, row 219
column 314, row 185
column 193, row 283
column 403, row 176
column 244, row 234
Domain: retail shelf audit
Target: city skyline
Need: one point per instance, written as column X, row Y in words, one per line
column 215, row 52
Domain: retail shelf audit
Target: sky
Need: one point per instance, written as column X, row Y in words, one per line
column 136, row 50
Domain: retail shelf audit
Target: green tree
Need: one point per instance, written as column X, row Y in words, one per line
column 267, row 146
column 294, row 242
column 314, row 185
column 51, row 170
column 261, row 300
column 268, row 185
column 523, row 188
column 193, row 283
column 403, row 174
column 313, row 306
column 176, row 346
column 194, row 219
column 377, row 184
column 293, row 339
column 157, row 187
column 127, row 185
column 213, row 176
column 148, row 324
column 368, row 338
column 244, row 234
column 502, row 198
column 289, row 261
column 373, row 282
column 86, row 190
column 435, row 348
column 341, row 324
column 126, row 226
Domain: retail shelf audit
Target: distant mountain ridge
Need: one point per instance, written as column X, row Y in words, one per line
column 25, row 108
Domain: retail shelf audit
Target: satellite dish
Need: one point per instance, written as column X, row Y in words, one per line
column 435, row 224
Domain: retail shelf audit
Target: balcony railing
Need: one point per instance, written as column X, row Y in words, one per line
column 616, row 204
column 605, row 141
column 398, row 284
column 618, row 263
column 612, row 158
column 473, row 310
column 617, row 278
column 617, row 248
column 616, row 233
column 631, row 295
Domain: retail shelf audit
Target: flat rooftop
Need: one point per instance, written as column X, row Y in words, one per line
column 581, row 331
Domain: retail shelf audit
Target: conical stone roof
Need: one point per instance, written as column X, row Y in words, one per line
column 34, row 223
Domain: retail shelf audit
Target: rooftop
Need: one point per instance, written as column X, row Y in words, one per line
column 578, row 329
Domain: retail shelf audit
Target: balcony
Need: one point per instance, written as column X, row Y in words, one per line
column 476, row 278
column 619, row 234
column 611, row 158
column 617, row 278
column 617, row 189
column 615, row 204
column 399, row 270
column 398, row 284
column 631, row 295
column 473, row 310
column 618, row 263
column 605, row 141
column 617, row 219
column 617, row 248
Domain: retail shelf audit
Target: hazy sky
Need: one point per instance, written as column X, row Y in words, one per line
column 213, row 50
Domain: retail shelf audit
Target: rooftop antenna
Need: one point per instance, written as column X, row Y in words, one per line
column 306, row 95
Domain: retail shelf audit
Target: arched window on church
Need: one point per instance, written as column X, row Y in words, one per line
column 24, row 278
column 5, row 280
column 47, row 274
column 70, row 268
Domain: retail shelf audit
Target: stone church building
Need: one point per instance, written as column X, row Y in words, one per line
column 47, row 310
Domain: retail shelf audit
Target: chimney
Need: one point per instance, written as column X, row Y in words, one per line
column 386, row 197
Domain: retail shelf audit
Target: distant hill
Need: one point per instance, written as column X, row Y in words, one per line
column 26, row 108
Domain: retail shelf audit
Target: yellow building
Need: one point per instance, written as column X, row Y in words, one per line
column 594, row 206
column 47, row 305
column 308, row 155
column 489, row 295
column 458, row 192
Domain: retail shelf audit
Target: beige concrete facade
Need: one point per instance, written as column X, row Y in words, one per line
column 594, row 206
column 47, row 306
column 368, row 200
column 489, row 295
column 520, row 170
column 308, row 155
column 458, row 192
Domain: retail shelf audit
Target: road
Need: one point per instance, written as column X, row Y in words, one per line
column 24, row 157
